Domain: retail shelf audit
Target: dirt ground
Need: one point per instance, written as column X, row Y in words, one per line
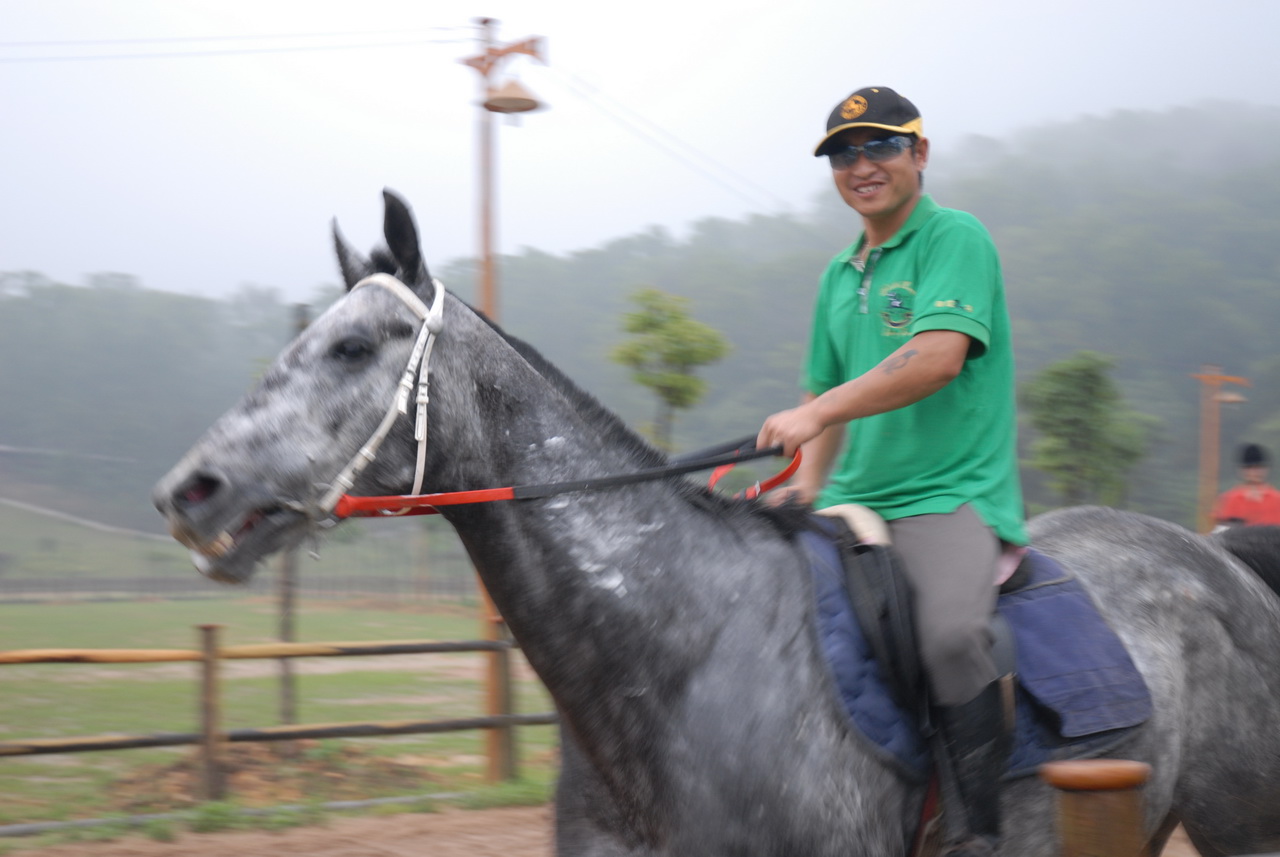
column 513, row 832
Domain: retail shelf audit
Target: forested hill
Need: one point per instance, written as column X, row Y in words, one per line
column 1153, row 237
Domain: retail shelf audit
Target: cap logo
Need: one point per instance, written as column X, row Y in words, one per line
column 854, row 107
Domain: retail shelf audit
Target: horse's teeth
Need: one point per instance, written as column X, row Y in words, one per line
column 219, row 546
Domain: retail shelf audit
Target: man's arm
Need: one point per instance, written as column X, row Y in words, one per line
column 921, row 367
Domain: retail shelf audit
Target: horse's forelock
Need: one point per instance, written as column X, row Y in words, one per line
column 383, row 262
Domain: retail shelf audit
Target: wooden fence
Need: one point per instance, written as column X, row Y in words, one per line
column 211, row 736
column 1099, row 805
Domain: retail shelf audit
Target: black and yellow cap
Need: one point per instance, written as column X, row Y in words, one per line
column 872, row 107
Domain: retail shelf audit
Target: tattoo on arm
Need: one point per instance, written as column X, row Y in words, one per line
column 893, row 364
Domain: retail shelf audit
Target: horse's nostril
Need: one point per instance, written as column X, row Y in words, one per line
column 197, row 489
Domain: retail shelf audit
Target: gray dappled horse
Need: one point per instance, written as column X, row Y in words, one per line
column 673, row 627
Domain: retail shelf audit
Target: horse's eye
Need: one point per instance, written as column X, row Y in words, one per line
column 353, row 349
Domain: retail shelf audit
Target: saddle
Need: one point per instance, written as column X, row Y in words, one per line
column 1075, row 691
column 881, row 598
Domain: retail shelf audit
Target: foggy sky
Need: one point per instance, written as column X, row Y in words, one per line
column 199, row 173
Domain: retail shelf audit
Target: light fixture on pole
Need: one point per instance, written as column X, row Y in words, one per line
column 511, row 97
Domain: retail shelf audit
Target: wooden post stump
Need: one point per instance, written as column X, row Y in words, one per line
column 1099, row 806
column 213, row 784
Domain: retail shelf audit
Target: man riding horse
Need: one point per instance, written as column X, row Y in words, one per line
column 910, row 357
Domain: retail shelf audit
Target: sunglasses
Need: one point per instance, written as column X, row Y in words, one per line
column 875, row 150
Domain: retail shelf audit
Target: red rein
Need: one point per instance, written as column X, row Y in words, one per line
column 428, row 504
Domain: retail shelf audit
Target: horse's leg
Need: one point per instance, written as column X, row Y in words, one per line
column 1160, row 838
column 588, row 824
column 1027, row 811
column 1204, row 846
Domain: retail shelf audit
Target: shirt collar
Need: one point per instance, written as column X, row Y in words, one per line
column 925, row 208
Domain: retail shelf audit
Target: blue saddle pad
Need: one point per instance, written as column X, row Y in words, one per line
column 1078, row 691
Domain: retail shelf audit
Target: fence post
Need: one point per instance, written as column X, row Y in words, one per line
column 1100, row 810
column 212, row 783
column 502, row 752
column 286, row 597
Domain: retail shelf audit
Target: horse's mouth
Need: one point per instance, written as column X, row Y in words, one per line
column 232, row 555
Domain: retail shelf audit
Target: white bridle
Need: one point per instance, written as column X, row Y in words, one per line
column 432, row 323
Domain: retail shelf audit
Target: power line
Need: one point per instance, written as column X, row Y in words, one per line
column 639, row 125
column 32, row 450
column 173, row 40
column 83, row 522
column 683, row 151
column 193, row 54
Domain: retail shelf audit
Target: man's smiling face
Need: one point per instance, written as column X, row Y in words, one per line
column 882, row 192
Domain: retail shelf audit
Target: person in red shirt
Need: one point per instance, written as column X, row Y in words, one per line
column 1253, row 501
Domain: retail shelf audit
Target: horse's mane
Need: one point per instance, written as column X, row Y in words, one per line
column 583, row 402
column 787, row 519
column 1256, row 547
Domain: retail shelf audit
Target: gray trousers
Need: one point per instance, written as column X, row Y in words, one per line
column 950, row 562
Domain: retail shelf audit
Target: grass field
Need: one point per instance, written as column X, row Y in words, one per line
column 67, row 700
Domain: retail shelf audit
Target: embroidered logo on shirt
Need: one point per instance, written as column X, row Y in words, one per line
column 896, row 301
column 953, row 305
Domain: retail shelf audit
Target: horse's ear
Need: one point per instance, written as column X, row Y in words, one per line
column 402, row 239
column 355, row 267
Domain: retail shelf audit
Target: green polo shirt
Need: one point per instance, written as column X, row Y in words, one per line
column 957, row 446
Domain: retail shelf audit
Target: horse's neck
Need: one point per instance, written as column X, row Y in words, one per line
column 605, row 579
column 510, row 424
column 581, row 577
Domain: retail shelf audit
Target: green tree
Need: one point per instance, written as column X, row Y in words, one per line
column 1087, row 440
column 665, row 348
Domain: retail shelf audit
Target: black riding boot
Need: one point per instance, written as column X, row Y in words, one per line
column 978, row 744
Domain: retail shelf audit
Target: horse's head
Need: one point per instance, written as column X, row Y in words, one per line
column 251, row 485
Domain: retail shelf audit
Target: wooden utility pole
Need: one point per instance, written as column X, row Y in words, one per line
column 286, row 592
column 509, row 98
column 1212, row 397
